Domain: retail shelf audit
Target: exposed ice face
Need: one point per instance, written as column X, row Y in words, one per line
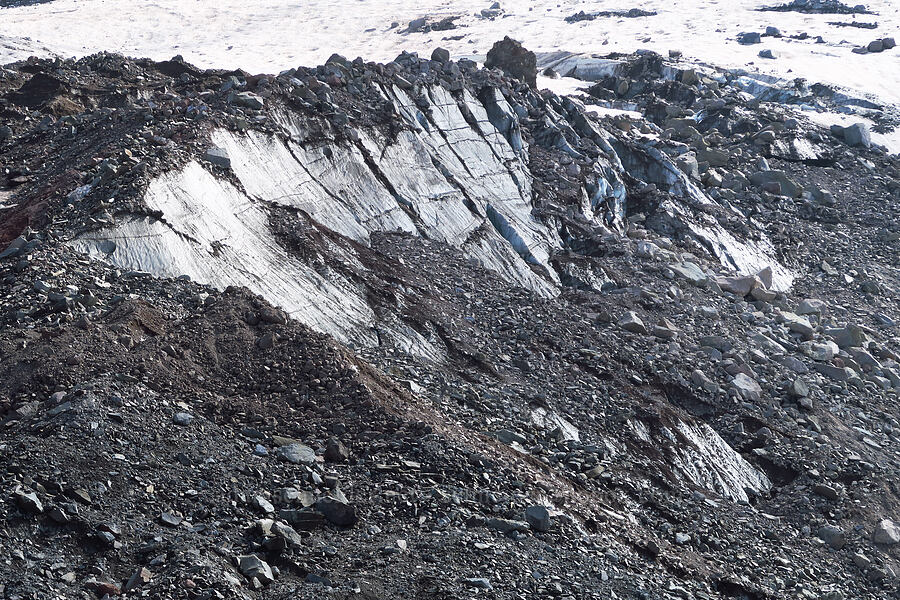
column 213, row 233
column 452, row 177
column 456, row 174
column 696, row 453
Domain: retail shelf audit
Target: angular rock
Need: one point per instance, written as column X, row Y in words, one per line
column 513, row 59
column 858, row 135
column 297, row 454
column 337, row 512
column 252, row 566
column 887, row 532
column 833, row 536
column 538, row 518
column 631, row 322
column 336, row 451
column 747, row 387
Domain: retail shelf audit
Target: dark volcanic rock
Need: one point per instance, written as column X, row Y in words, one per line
column 514, row 60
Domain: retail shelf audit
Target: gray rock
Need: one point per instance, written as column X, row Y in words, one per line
column 631, row 322
column 749, row 37
column 833, row 372
column 182, row 418
column 700, row 379
column 690, row 271
column 297, row 454
column 826, row 491
column 858, row 135
column 875, row 46
column 766, row 54
column 218, row 157
column 538, row 518
column 810, row 306
column 794, row 364
column 287, row 533
column 887, row 532
column 478, row 582
column 789, row 187
column 440, row 55
column 506, row 525
column 798, row 324
column 29, row 502
column 799, row 389
column 337, row 512
column 739, row 286
column 833, row 536
column 747, row 387
column 847, row 337
column 252, row 566
column 247, row 100
column 263, row 505
column 888, row 43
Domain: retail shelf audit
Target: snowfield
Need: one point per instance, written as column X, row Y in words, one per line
column 278, row 34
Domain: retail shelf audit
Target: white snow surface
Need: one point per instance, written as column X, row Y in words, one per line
column 275, row 35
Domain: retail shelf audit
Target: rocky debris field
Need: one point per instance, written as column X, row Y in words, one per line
column 665, row 424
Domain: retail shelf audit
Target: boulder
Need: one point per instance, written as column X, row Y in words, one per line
column 336, row 512
column 538, row 517
column 441, row 55
column 513, row 59
column 631, row 322
column 789, row 187
column 887, row 533
column 858, row 135
column 252, row 566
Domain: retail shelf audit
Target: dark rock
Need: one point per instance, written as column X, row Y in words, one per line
column 513, row 59
column 337, row 512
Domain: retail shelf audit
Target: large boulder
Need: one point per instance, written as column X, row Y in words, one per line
column 858, row 135
column 514, row 60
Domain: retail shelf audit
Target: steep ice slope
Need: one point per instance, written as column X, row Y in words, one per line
column 452, row 176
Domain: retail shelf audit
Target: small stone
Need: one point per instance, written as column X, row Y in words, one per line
column 826, row 491
column 182, row 418
column 478, row 582
column 170, row 520
column 799, row 389
column 747, row 387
